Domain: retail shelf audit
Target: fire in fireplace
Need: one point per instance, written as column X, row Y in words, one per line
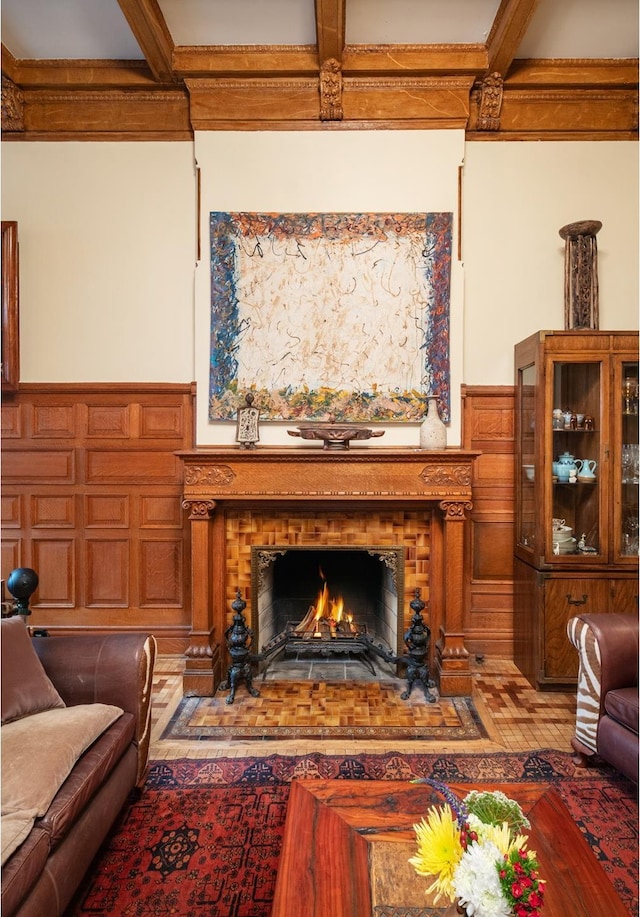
column 327, row 618
column 326, row 603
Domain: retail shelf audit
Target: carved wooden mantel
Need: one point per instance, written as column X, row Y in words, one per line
column 310, row 477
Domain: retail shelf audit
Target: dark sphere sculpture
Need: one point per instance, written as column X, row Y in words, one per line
column 22, row 583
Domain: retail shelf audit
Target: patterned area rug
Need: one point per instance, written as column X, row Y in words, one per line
column 312, row 709
column 204, row 838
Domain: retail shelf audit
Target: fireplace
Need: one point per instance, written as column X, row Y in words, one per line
column 242, row 502
column 326, row 604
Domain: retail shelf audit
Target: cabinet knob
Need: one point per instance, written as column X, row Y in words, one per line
column 582, row 601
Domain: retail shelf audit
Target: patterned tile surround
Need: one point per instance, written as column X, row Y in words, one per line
column 322, row 529
column 517, row 718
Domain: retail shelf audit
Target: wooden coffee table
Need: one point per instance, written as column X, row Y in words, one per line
column 347, row 842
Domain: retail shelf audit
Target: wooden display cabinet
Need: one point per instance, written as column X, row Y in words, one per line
column 576, row 515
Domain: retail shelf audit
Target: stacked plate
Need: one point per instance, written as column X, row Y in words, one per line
column 563, row 540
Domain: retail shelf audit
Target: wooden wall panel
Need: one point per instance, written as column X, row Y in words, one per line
column 11, row 555
column 10, row 421
column 488, row 425
column 110, row 421
column 49, row 510
column 161, row 573
column 29, row 465
column 54, row 559
column 92, row 500
column 107, row 581
column 53, row 422
column 106, row 511
column 11, row 511
column 132, row 467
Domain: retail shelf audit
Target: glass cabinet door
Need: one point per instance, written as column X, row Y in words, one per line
column 578, row 516
column 526, row 478
column 626, row 403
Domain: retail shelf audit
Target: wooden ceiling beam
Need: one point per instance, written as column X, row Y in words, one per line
column 433, row 60
column 507, row 32
column 152, row 34
column 9, row 64
column 245, row 60
column 330, row 29
column 82, row 74
column 586, row 74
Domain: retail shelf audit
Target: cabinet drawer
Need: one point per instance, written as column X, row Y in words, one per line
column 565, row 598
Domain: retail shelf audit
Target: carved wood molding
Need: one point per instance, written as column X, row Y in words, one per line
column 490, row 102
column 331, row 91
column 199, row 509
column 12, row 106
column 455, row 510
column 217, row 475
column 446, row 475
column 530, row 104
column 199, row 647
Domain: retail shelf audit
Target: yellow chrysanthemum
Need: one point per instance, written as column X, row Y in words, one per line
column 439, row 850
column 500, row 835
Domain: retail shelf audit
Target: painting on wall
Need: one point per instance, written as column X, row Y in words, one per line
column 330, row 315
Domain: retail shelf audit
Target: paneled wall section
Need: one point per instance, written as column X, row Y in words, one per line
column 488, row 426
column 91, row 499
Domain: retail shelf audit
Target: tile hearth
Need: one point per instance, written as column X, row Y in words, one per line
column 516, row 717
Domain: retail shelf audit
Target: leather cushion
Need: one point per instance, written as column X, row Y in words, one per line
column 86, row 778
column 21, row 872
column 621, row 704
column 26, row 687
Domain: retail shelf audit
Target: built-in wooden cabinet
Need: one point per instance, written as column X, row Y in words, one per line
column 576, row 474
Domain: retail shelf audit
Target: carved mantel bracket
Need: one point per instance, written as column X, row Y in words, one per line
column 312, row 479
column 455, row 511
column 199, row 509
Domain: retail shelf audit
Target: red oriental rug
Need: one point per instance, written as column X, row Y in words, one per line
column 204, row 836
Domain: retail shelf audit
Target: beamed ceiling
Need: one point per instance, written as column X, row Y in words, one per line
column 160, row 69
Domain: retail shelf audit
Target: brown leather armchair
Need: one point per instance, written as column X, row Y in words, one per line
column 607, row 697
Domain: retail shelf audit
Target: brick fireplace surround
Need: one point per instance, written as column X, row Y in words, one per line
column 295, row 496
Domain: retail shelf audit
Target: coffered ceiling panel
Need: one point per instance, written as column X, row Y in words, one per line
column 151, row 69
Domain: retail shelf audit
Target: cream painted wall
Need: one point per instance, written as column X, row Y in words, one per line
column 110, row 291
column 516, row 198
column 107, row 251
column 344, row 172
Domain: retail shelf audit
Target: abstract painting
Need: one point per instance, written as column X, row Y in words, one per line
column 330, row 315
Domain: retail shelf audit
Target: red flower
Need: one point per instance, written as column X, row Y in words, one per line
column 516, row 890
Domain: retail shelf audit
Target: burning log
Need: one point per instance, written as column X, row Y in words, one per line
column 325, row 619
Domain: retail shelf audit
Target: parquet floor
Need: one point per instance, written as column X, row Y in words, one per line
column 515, row 716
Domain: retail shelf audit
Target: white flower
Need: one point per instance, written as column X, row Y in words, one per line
column 477, row 884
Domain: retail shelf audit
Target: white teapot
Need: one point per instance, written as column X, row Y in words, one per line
column 586, row 469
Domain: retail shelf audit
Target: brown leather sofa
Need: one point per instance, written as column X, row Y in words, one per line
column 51, row 687
column 607, row 697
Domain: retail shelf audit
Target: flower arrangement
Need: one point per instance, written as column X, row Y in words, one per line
column 474, row 850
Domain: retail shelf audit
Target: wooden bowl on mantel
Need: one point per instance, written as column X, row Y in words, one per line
column 335, row 436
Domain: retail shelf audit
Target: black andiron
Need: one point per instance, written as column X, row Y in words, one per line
column 417, row 639
column 239, row 638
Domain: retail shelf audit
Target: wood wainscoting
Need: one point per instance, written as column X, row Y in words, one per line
column 488, row 427
column 91, row 500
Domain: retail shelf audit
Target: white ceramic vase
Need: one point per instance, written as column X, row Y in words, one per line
column 433, row 433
